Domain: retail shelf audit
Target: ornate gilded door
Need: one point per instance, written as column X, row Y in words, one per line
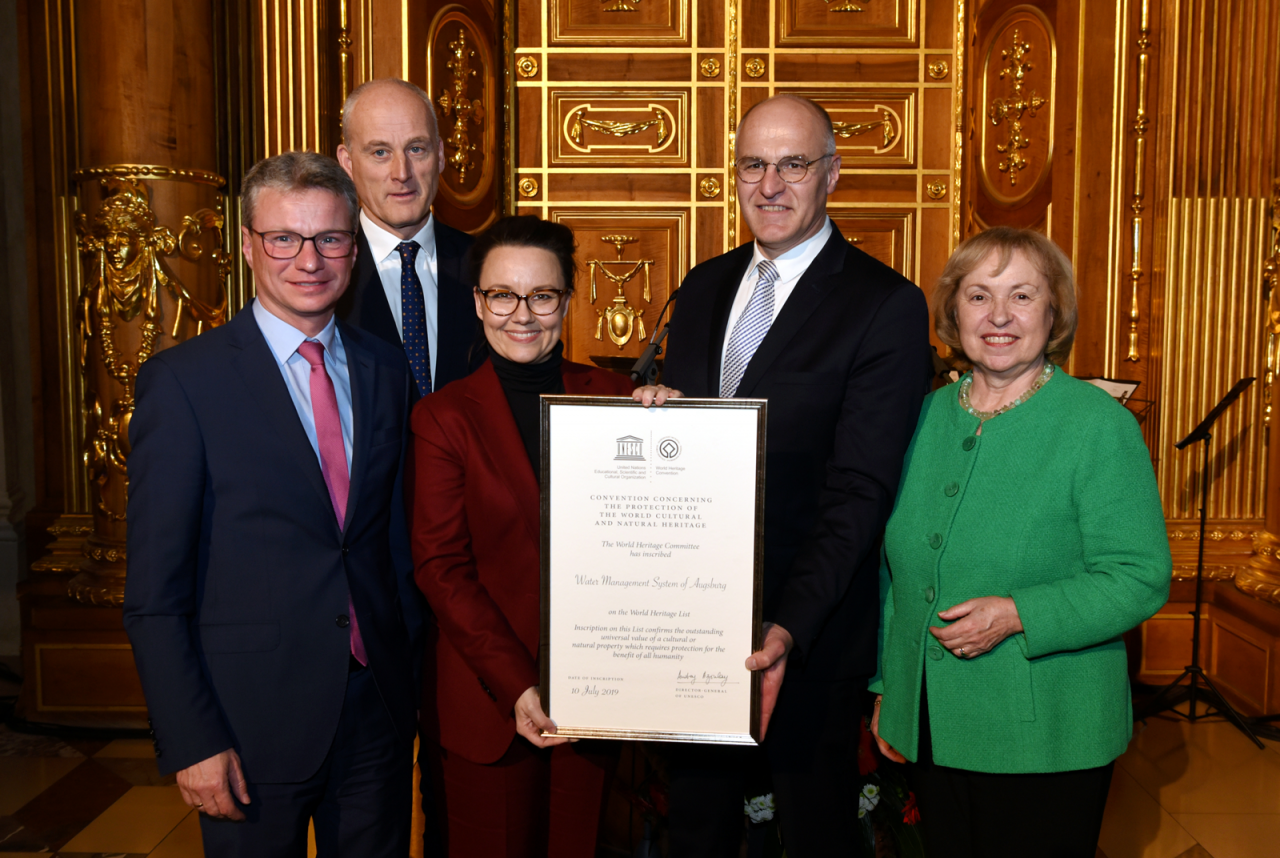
column 625, row 115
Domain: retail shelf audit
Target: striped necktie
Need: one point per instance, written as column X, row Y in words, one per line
column 413, row 318
column 750, row 330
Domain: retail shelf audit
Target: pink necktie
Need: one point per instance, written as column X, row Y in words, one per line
column 333, row 457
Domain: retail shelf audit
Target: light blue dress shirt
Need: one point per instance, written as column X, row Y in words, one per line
column 284, row 340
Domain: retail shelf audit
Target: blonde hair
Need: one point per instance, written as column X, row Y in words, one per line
column 1047, row 258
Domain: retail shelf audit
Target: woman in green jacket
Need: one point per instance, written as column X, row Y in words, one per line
column 1027, row 538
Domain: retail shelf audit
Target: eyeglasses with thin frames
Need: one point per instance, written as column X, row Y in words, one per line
column 503, row 302
column 790, row 170
column 281, row 244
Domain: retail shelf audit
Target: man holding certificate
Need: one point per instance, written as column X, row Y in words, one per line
column 838, row 344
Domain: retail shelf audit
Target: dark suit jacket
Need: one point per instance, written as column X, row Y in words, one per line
column 237, row 592
column 844, row 368
column 476, row 535
column 365, row 304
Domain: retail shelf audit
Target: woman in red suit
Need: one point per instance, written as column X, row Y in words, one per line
column 503, row 789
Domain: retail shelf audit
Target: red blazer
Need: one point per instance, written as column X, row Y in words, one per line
column 476, row 536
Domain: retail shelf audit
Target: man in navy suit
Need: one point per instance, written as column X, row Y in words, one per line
column 270, row 598
column 410, row 287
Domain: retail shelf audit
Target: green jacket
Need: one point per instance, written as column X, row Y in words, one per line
column 1054, row 504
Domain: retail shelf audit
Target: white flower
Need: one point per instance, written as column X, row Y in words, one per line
column 760, row 808
column 868, row 799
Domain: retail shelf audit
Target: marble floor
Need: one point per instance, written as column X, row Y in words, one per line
column 1181, row 791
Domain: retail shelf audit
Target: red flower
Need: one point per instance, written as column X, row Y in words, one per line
column 910, row 812
column 868, row 762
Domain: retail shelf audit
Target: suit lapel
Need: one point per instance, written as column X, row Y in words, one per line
column 807, row 296
column 454, row 305
column 260, row 374
column 365, row 304
column 496, row 429
column 726, row 291
column 362, row 370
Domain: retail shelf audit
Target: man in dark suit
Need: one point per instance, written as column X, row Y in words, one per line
column 410, row 284
column 838, row 344
column 270, row 598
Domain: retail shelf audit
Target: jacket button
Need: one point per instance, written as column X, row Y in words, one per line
column 342, row 621
column 929, row 594
column 935, row 541
column 935, row 653
column 345, row 552
column 969, row 443
column 951, row 490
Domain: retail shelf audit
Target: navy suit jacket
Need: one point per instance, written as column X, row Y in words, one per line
column 236, row 599
column 844, row 367
column 365, row 305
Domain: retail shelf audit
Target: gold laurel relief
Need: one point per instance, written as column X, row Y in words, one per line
column 936, row 189
column 1014, row 109
column 709, row 187
column 938, row 69
column 620, row 320
column 710, row 67
column 528, row 187
column 755, row 67
column 527, row 66
column 463, row 109
column 619, row 5
column 581, row 123
column 846, row 5
column 857, row 129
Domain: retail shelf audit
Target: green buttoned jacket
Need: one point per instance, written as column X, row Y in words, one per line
column 1054, row 504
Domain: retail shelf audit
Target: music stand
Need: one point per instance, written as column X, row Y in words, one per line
column 1174, row 693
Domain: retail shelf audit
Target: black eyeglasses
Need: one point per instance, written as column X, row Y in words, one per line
column 503, row 302
column 334, row 244
column 790, row 170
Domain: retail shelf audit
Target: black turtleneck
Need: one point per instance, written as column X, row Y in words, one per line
column 522, row 383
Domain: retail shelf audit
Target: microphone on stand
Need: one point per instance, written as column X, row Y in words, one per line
column 645, row 370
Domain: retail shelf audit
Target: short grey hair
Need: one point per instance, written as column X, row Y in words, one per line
column 297, row 171
column 820, row 112
column 354, row 98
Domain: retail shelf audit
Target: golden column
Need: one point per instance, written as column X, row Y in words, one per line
column 1261, row 577
column 149, row 232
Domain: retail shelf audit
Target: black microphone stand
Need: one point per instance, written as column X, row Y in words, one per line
column 645, row 370
column 1174, row 693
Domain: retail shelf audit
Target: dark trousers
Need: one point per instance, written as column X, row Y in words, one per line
column 361, row 799
column 532, row 803
column 809, row 754
column 965, row 814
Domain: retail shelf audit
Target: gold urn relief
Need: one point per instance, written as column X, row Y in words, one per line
column 620, row 320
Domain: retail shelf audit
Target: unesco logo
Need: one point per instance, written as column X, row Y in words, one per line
column 669, row 449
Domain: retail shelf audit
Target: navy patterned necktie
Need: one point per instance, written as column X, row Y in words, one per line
column 413, row 317
column 749, row 332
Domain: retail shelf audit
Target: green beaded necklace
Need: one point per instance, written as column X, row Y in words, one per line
column 984, row 416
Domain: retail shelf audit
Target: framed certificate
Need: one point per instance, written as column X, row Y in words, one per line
column 652, row 559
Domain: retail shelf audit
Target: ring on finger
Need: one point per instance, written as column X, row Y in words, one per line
column 962, row 655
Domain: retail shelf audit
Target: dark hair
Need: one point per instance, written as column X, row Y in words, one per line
column 296, row 171
column 524, row 231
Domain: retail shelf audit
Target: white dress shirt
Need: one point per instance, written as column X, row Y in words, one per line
column 791, row 266
column 382, row 245
column 284, row 340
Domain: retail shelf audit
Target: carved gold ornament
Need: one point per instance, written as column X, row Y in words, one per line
column 460, row 107
column 936, row 189
column 844, row 6
column 527, row 66
column 1271, row 294
column 619, row 319
column 856, row 129
column 710, row 67
column 528, row 187
column 938, row 69
column 619, row 5
column 615, row 128
column 755, row 67
column 1014, row 109
column 124, row 250
column 1140, row 124
column 709, row 187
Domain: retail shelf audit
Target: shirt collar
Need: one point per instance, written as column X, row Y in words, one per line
column 382, row 243
column 796, row 261
column 284, row 338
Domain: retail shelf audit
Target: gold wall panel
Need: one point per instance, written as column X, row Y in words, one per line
column 616, row 128
column 830, row 23
column 1019, row 71
column 874, row 127
column 641, row 23
column 886, row 234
